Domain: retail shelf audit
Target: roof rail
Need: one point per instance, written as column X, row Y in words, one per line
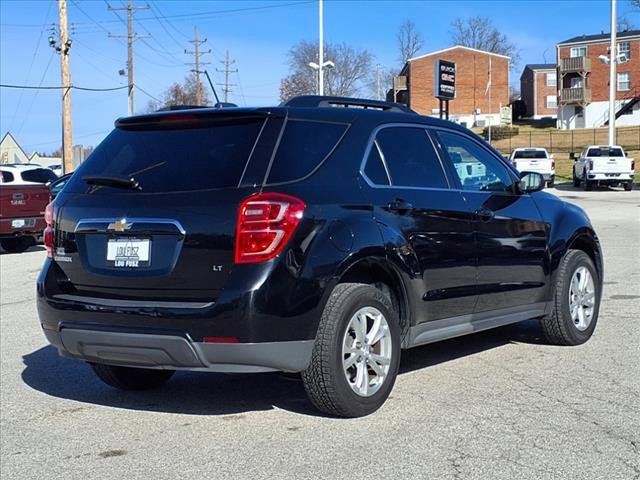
column 320, row 101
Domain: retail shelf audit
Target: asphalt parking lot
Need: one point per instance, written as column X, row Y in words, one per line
column 497, row 405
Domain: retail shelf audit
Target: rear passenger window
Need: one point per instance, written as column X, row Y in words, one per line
column 303, row 147
column 374, row 169
column 410, row 158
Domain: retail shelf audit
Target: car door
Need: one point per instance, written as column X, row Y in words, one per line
column 510, row 236
column 425, row 224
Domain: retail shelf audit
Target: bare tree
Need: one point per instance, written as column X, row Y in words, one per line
column 635, row 3
column 410, row 41
column 179, row 94
column 349, row 77
column 478, row 32
column 625, row 24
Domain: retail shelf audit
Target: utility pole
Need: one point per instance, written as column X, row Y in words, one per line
column 378, row 97
column 197, row 53
column 63, row 48
column 226, row 87
column 131, row 36
column 321, row 51
column 613, row 60
column 489, row 87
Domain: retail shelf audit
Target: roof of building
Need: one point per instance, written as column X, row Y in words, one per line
column 8, row 137
column 456, row 47
column 600, row 37
column 541, row 66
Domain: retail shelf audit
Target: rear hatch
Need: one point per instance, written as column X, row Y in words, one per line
column 532, row 160
column 172, row 237
column 608, row 160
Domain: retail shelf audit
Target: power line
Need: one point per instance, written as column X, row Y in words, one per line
column 61, row 87
column 148, row 94
column 33, row 99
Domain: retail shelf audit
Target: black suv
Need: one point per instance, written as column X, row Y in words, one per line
column 306, row 238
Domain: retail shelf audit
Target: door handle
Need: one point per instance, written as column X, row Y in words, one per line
column 400, row 206
column 485, row 214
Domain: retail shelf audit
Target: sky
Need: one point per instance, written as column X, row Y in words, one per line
column 257, row 34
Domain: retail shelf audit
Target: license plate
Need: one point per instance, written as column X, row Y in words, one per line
column 128, row 252
column 23, row 222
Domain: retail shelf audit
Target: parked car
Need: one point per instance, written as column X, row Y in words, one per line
column 535, row 160
column 304, row 238
column 22, row 209
column 603, row 165
column 58, row 184
column 26, row 174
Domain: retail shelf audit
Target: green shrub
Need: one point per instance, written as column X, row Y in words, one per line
column 500, row 132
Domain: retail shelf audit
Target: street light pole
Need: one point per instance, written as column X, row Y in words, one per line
column 321, row 53
column 613, row 60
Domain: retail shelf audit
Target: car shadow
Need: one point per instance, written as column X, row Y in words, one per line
column 34, row 248
column 196, row 393
column 568, row 187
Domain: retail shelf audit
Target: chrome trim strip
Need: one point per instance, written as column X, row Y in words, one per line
column 108, row 302
column 133, row 221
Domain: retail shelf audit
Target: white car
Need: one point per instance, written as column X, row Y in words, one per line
column 603, row 165
column 535, row 160
column 18, row 174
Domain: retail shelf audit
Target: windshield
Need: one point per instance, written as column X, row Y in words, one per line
column 38, row 175
column 173, row 160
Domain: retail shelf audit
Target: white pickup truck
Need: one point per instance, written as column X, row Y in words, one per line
column 603, row 165
column 535, row 160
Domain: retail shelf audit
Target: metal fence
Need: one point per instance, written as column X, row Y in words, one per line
column 569, row 140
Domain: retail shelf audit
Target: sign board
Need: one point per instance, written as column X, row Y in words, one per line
column 505, row 115
column 445, row 81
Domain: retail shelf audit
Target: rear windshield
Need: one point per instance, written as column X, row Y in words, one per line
column 7, row 177
column 38, row 175
column 605, row 152
column 530, row 154
column 174, row 160
column 304, row 146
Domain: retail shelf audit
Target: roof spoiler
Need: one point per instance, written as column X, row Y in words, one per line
column 320, row 101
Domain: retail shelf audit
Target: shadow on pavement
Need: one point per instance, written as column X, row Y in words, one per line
column 34, row 248
column 195, row 393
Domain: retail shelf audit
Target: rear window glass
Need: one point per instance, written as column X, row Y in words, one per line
column 605, row 152
column 39, row 175
column 174, row 160
column 530, row 154
column 375, row 168
column 303, row 147
column 7, row 177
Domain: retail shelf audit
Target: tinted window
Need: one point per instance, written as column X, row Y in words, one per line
column 605, row 152
column 476, row 168
column 374, row 169
column 530, row 154
column 410, row 158
column 172, row 160
column 303, row 147
column 7, row 177
column 39, row 175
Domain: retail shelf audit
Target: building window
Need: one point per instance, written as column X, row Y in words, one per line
column 625, row 47
column 576, row 82
column 578, row 52
column 552, row 101
column 624, row 82
column 551, row 79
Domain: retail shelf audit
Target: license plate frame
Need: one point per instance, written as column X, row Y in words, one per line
column 23, row 223
column 128, row 252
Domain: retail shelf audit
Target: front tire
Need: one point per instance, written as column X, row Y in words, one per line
column 356, row 354
column 576, row 301
column 130, row 378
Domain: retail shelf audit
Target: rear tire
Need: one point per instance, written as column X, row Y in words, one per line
column 586, row 184
column 354, row 365
column 551, row 182
column 576, row 180
column 628, row 186
column 130, row 378
column 17, row 244
column 575, row 310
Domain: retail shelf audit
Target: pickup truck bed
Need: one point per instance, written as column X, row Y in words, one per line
column 22, row 215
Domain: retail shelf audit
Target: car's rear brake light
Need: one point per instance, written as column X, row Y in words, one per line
column 590, row 165
column 553, row 164
column 48, row 234
column 633, row 165
column 266, row 222
column 221, row 340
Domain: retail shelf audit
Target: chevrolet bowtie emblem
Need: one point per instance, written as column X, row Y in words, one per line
column 119, row 225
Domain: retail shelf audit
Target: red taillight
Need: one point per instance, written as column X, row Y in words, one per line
column 633, row 165
column 47, row 235
column 221, row 340
column 590, row 165
column 553, row 164
column 266, row 222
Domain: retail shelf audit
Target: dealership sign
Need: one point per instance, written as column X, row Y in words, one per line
column 445, row 84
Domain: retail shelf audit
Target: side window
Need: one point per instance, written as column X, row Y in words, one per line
column 410, row 158
column 375, row 169
column 476, row 168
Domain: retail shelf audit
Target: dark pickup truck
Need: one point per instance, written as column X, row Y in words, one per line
column 22, row 215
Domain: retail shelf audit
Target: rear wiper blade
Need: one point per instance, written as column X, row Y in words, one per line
column 116, row 182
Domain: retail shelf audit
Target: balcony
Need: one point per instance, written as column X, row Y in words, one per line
column 575, row 64
column 577, row 95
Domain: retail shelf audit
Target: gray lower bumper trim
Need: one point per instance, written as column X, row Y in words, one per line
column 174, row 352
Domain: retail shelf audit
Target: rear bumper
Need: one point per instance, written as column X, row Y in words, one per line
column 610, row 177
column 174, row 352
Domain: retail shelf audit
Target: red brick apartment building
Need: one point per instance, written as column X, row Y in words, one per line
column 471, row 104
column 539, row 91
column 583, row 81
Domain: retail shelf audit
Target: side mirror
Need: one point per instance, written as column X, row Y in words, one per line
column 572, row 156
column 531, row 182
